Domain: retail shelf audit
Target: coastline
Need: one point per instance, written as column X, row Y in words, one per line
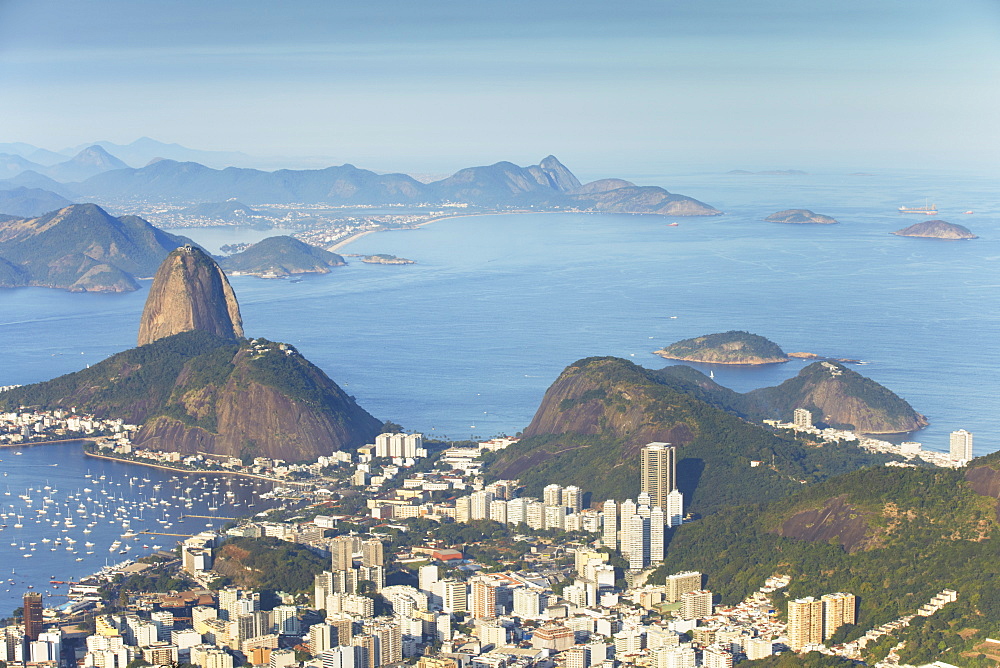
column 354, row 237
column 686, row 359
column 32, row 444
column 191, row 471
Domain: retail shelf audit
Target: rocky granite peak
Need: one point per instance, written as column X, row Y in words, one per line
column 190, row 292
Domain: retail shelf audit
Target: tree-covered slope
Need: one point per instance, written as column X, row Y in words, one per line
column 834, row 394
column 599, row 413
column 894, row 537
column 82, row 247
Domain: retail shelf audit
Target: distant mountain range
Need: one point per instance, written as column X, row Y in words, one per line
column 136, row 154
column 172, row 173
column 84, row 164
column 547, row 185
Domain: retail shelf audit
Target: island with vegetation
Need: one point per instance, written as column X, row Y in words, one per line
column 801, row 217
column 733, row 347
column 936, row 229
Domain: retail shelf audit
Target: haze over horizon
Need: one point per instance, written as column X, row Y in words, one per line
column 441, row 85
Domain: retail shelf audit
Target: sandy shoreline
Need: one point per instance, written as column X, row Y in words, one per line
column 354, row 237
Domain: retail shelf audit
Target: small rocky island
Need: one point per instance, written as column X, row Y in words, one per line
column 800, row 216
column 382, row 258
column 936, row 229
column 734, row 347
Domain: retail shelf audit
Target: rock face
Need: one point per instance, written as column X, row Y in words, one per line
column 839, row 396
column 272, row 402
column 733, row 347
column 800, row 216
column 190, row 292
column 936, row 229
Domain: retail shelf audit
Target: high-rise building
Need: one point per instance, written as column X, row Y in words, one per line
column 552, row 495
column 609, row 530
column 638, row 536
column 372, row 553
column 338, row 657
column 961, row 446
column 838, row 609
column 528, row 603
column 321, row 638
column 716, row 656
column 32, row 615
column 674, row 511
column 682, row 656
column 696, row 604
column 341, row 553
column 454, row 596
column 427, row 576
column 657, row 523
column 572, row 498
column 805, row 622
column 498, row 511
column 659, row 472
column 681, row 583
column 801, row 417
column 484, row 599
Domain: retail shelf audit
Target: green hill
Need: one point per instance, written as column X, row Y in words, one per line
column 281, row 256
column 599, row 413
column 892, row 536
column 195, row 392
column 83, row 248
column 733, row 347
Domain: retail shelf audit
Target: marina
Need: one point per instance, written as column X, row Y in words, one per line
column 61, row 524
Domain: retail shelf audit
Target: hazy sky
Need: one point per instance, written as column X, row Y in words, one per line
column 436, row 85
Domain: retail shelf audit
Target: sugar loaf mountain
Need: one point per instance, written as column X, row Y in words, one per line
column 195, row 384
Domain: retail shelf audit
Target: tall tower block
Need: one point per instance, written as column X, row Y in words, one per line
column 659, row 472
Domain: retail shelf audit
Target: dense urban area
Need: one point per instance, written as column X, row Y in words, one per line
column 402, row 553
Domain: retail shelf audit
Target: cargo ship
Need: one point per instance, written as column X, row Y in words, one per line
column 926, row 209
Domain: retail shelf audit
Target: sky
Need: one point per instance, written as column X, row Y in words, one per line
column 436, row 85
